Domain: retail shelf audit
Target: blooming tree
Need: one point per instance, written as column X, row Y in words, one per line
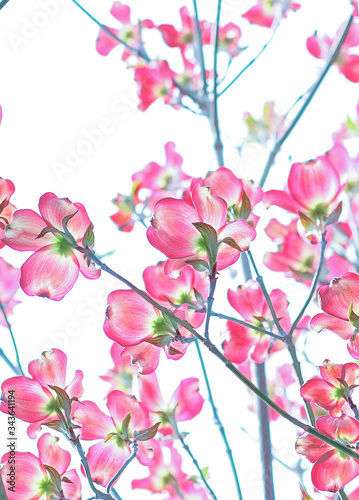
column 215, row 239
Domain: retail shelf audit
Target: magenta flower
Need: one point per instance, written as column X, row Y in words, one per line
column 265, row 12
column 9, row 285
column 107, row 457
column 141, row 328
column 332, row 469
column 333, row 389
column 54, row 267
column 7, row 189
column 173, row 231
column 36, row 402
column 32, row 478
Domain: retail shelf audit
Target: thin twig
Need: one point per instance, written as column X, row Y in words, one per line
column 8, row 362
column 218, row 145
column 248, row 325
column 334, row 54
column 139, row 52
column 250, row 62
column 218, row 422
column 13, row 340
column 200, row 47
column 210, row 300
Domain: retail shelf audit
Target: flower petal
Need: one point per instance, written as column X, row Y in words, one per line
column 21, row 234
column 51, row 454
column 50, row 369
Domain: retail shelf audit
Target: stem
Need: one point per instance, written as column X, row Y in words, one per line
column 312, row 288
column 8, row 362
column 194, row 460
column 230, row 366
column 200, row 48
column 266, row 294
column 265, row 444
column 342, row 494
column 218, row 422
column 115, row 494
column 250, row 63
column 210, row 300
column 353, row 407
column 128, row 461
column 248, row 325
column 139, row 52
column 316, row 85
column 3, row 3
column 13, row 340
column 218, row 145
column 264, row 433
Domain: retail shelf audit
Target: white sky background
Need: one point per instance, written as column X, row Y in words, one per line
column 54, row 88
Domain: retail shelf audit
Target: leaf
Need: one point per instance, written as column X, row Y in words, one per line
column 109, row 436
column 172, row 351
column 199, row 297
column 56, row 425
column 55, row 476
column 125, row 425
column 65, row 221
column 245, row 208
column 198, row 265
column 47, row 230
column 334, row 216
column 230, row 241
column 65, row 479
column 146, row 434
column 307, row 222
column 160, row 341
column 64, row 401
column 353, row 318
column 209, row 235
column 89, row 238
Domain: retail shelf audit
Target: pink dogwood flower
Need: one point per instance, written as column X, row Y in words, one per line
column 7, row 189
column 347, row 62
column 128, row 33
column 183, row 290
column 155, row 81
column 266, row 11
column 185, row 37
column 122, row 374
column 116, row 433
column 249, row 301
column 333, row 389
column 34, row 480
column 340, row 301
column 186, row 401
column 54, row 236
column 174, row 233
column 166, row 475
column 36, row 402
column 332, row 469
column 135, row 324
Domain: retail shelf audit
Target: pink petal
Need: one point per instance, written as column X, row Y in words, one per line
column 145, row 355
column 31, row 471
column 54, row 209
column 88, row 270
column 247, row 300
column 212, row 209
column 72, row 490
column 31, row 399
column 350, row 69
column 48, row 274
column 129, row 317
column 7, row 188
column 225, row 184
column 50, row 369
column 121, row 12
column 95, row 424
column 172, row 231
column 51, row 454
column 333, row 471
column 242, row 233
column 324, row 321
column 105, row 459
column 344, row 427
column 121, row 404
column 9, row 283
column 150, row 392
column 173, row 267
column 320, row 392
column 21, row 234
column 281, row 199
column 314, row 182
column 75, row 388
column 187, row 399
column 257, row 15
column 311, row 447
column 335, row 298
column 240, row 342
column 105, row 42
